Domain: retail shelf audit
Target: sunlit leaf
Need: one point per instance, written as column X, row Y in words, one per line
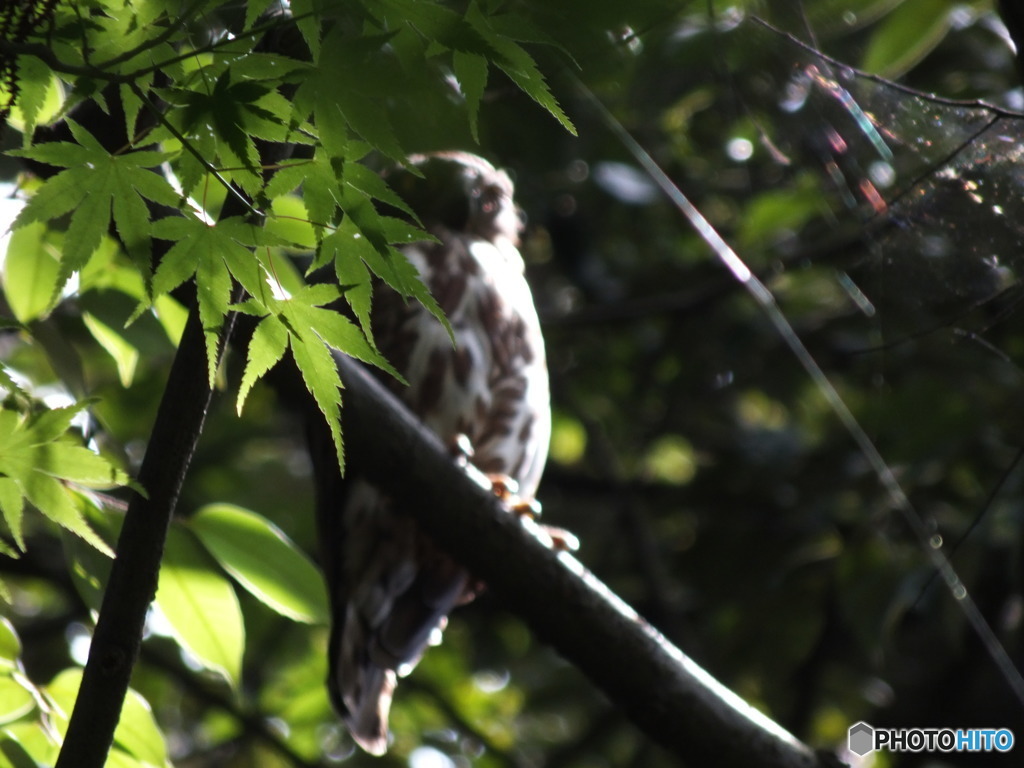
column 15, row 700
column 172, row 317
column 336, row 330
column 10, row 645
column 31, row 272
column 289, row 222
column 39, row 95
column 138, row 733
column 7, row 382
column 33, row 463
column 201, row 606
column 13, row 753
column 96, row 187
column 347, row 248
column 214, row 254
column 78, row 464
column 263, row 560
column 126, row 357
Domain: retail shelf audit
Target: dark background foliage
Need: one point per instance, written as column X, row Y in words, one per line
column 710, row 482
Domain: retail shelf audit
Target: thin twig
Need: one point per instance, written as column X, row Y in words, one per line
column 251, row 722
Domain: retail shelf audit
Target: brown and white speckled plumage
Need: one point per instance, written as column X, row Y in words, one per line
column 392, row 589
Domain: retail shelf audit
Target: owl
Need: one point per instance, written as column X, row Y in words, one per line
column 391, row 588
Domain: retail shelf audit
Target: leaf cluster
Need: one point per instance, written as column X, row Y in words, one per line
column 185, row 154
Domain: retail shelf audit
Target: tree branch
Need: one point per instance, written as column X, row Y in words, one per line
column 665, row 693
column 133, row 575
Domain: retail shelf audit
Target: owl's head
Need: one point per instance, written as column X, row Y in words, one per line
column 492, row 210
column 462, row 192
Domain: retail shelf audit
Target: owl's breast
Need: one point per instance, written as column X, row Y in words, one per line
column 492, row 384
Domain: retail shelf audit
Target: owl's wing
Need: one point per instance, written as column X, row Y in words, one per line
column 393, row 592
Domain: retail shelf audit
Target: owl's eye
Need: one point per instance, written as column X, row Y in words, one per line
column 490, row 199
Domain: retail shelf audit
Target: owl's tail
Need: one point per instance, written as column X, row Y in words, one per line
column 367, row 703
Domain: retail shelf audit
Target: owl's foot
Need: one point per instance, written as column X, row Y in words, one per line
column 507, row 489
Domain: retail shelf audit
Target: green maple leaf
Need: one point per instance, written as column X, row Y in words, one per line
column 515, row 62
column 318, row 178
column 37, row 459
column 304, row 323
column 365, row 242
column 214, row 255
column 97, row 186
column 231, row 109
column 344, row 93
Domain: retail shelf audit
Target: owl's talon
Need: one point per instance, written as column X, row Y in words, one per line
column 530, row 509
column 504, row 487
column 507, row 489
column 561, row 539
column 462, row 449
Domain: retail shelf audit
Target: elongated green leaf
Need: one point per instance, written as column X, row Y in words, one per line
column 39, row 94
column 213, row 254
column 172, row 317
column 906, row 36
column 34, row 460
column 125, row 355
column 77, row 464
column 372, row 185
column 263, row 560
column 51, row 424
column 351, row 271
column 201, row 606
column 138, row 733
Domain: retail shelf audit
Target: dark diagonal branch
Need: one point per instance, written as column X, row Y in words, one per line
column 665, row 693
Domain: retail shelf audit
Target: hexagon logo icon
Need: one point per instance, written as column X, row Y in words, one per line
column 860, row 739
